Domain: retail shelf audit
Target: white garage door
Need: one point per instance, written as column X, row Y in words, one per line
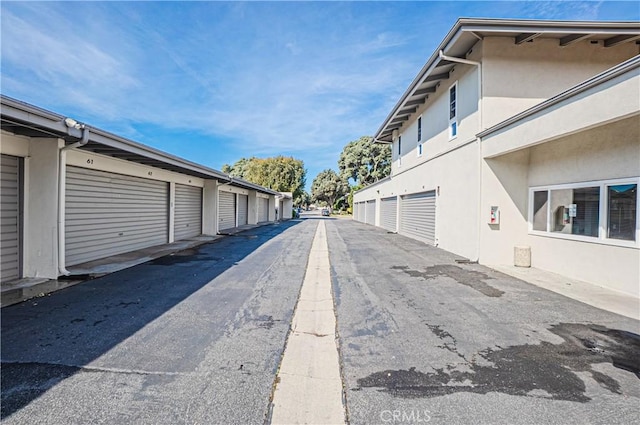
column 361, row 211
column 9, row 218
column 227, row 211
column 263, row 210
column 418, row 216
column 370, row 214
column 243, row 210
column 188, row 212
column 389, row 213
column 109, row 214
column 355, row 211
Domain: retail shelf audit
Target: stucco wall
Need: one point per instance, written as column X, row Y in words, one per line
column 516, row 77
column 607, row 152
column 41, row 209
column 435, row 120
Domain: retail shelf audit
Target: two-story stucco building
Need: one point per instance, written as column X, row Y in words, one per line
column 521, row 134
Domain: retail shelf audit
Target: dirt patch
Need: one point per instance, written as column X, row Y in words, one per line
column 470, row 278
column 544, row 370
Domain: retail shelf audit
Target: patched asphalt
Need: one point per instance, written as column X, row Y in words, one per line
column 197, row 337
column 426, row 339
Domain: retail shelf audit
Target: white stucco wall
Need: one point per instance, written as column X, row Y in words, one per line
column 41, row 209
column 516, row 77
column 210, row 207
column 435, row 120
column 40, row 202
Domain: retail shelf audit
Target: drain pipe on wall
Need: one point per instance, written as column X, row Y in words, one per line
column 480, row 101
column 70, row 123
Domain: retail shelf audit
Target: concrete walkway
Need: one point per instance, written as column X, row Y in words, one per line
column 588, row 293
column 309, row 385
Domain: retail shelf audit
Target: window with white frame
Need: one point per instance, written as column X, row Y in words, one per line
column 419, row 147
column 602, row 210
column 399, row 150
column 453, row 111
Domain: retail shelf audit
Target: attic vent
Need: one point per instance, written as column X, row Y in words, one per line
column 594, row 41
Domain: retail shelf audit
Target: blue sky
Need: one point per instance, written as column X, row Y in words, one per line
column 216, row 81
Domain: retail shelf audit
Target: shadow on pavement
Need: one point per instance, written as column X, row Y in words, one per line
column 46, row 340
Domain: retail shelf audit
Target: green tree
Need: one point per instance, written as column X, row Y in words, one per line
column 239, row 168
column 328, row 187
column 284, row 174
column 365, row 162
column 304, row 200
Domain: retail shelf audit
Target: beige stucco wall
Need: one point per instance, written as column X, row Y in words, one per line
column 516, row 77
column 608, row 101
column 609, row 151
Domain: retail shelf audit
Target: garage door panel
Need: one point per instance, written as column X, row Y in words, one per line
column 226, row 210
column 417, row 217
column 361, row 211
column 9, row 217
column 188, row 212
column 370, row 214
column 243, row 210
column 389, row 213
column 109, row 214
column 263, row 210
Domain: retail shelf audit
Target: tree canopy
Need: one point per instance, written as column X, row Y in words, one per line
column 365, row 162
column 280, row 173
column 304, row 200
column 239, row 169
column 328, row 187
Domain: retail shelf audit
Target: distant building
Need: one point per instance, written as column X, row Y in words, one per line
column 521, row 134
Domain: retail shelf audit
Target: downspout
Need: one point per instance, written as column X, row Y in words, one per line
column 62, row 192
column 480, row 122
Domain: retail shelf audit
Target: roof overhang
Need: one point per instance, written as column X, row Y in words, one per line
column 27, row 120
column 24, row 119
column 467, row 32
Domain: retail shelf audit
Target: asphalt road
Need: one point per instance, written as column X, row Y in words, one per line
column 197, row 337
column 426, row 340
column 191, row 338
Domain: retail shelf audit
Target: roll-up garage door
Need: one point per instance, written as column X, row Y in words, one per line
column 389, row 213
column 188, row 212
column 109, row 214
column 10, row 217
column 243, row 210
column 227, row 210
column 361, row 211
column 370, row 215
column 263, row 210
column 418, row 216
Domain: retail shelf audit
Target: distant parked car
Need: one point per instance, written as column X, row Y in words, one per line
column 325, row 212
